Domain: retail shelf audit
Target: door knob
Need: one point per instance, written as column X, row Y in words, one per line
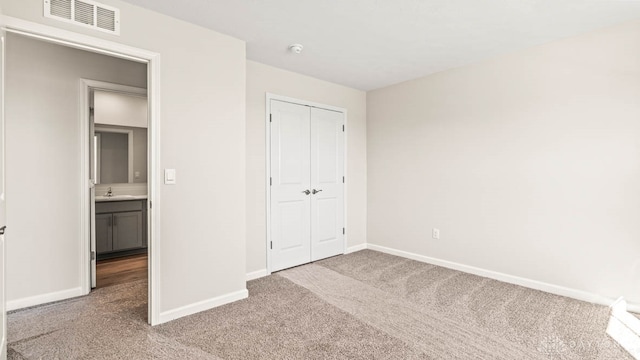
column 316, row 191
column 307, row 192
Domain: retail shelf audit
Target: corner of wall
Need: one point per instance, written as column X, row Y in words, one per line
column 200, row 306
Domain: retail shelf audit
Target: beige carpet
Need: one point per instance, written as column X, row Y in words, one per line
column 365, row 305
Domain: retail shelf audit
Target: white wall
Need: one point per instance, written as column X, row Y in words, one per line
column 203, row 87
column 113, row 108
column 43, row 142
column 262, row 79
column 529, row 164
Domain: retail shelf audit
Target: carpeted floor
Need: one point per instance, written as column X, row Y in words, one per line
column 366, row 305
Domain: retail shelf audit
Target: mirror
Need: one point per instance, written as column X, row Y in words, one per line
column 120, row 154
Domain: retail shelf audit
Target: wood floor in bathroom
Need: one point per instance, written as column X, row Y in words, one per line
column 121, row 270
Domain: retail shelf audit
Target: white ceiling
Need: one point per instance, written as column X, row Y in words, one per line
column 368, row 44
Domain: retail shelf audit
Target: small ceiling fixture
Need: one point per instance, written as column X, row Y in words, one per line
column 295, row 48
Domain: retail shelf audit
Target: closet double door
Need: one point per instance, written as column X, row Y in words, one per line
column 307, row 184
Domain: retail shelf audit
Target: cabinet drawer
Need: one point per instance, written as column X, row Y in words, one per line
column 119, row 206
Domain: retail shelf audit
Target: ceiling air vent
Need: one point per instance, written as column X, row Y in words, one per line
column 85, row 13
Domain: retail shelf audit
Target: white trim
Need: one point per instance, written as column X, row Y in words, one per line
column 271, row 96
column 73, row 39
column 84, row 124
column 95, row 159
column 619, row 310
column 511, row 279
column 2, row 120
column 202, row 306
column 256, row 274
column 352, row 249
column 152, row 59
column 620, row 305
column 3, row 246
column 346, row 181
column 115, row 88
column 44, row 298
column 153, row 182
column 267, row 189
column 268, row 98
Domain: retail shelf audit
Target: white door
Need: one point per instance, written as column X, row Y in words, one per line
column 307, row 189
column 3, row 212
column 290, row 182
column 327, row 187
column 92, row 196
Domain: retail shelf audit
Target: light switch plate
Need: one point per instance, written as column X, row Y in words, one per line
column 169, row 176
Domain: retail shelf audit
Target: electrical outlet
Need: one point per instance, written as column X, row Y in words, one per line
column 435, row 233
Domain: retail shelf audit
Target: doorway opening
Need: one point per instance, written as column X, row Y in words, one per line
column 79, row 196
column 118, row 168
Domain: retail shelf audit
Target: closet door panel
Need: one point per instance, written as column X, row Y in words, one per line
column 290, row 178
column 327, row 171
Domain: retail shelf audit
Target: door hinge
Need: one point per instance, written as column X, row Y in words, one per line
column 270, row 119
column 91, row 111
column 343, row 179
column 270, row 181
column 93, row 255
column 342, row 128
column 150, row 205
column 343, row 231
column 271, row 245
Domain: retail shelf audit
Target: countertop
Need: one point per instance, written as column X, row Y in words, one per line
column 103, row 198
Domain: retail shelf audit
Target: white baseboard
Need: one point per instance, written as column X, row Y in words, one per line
column 352, row 249
column 256, row 274
column 516, row 280
column 202, row 306
column 634, row 308
column 262, row 273
column 44, row 298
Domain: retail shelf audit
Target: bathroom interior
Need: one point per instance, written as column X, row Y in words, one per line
column 118, row 139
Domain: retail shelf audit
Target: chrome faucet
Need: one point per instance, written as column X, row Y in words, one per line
column 109, row 193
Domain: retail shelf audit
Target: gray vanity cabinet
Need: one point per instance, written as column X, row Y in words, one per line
column 103, row 233
column 120, row 228
column 127, row 230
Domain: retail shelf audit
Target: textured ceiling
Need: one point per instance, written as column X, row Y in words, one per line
column 368, row 44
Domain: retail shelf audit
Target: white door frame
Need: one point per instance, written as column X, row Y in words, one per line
column 268, row 98
column 87, row 127
column 3, row 182
column 152, row 59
